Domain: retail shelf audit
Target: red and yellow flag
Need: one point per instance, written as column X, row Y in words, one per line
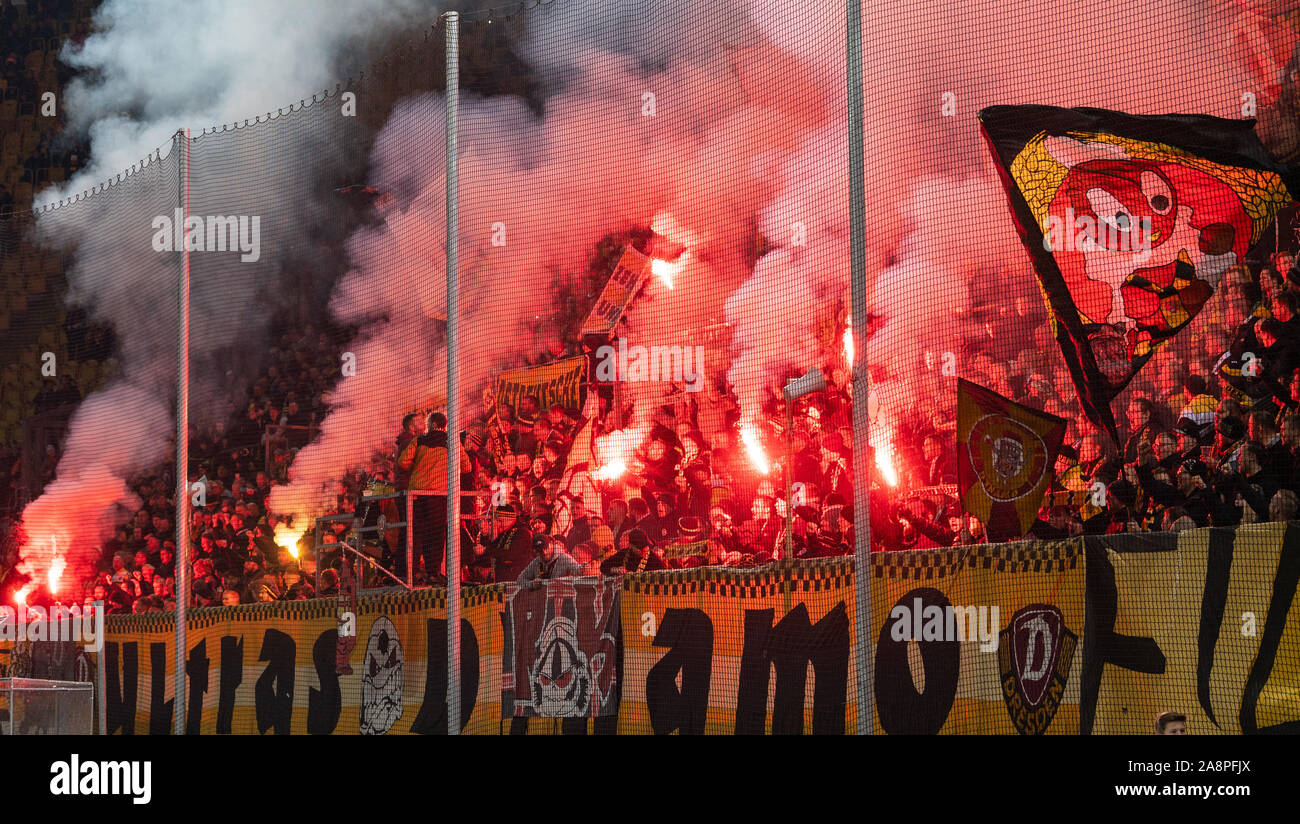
column 1005, row 453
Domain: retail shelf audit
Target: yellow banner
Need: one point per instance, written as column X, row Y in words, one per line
column 1090, row 635
column 270, row 668
column 1204, row 623
column 717, row 650
column 559, row 382
column 981, row 639
column 632, row 270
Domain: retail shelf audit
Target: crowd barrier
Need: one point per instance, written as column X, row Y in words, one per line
column 1092, row 635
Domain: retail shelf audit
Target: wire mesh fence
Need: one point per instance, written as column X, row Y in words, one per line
column 1074, row 323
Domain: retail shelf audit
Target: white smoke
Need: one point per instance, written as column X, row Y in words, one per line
column 152, row 68
column 937, row 219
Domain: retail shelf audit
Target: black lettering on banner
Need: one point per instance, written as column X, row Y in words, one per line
column 160, row 711
column 899, row 707
column 1284, row 591
column 325, row 704
column 232, row 675
column 688, row 636
column 196, row 668
column 1214, row 598
column 275, row 703
column 119, row 708
column 1101, row 644
column 789, row 648
column 432, row 717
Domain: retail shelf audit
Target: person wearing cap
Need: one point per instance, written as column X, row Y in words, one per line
column 550, row 561
column 522, row 440
column 502, row 555
column 637, row 556
column 808, row 541
column 1190, row 493
column 661, row 526
column 690, row 533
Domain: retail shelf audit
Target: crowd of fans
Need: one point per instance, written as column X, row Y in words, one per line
column 1211, row 437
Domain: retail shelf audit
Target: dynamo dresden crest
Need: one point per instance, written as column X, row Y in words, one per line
column 1035, row 653
column 1008, row 457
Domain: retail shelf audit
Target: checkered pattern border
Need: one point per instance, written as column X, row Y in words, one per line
column 398, row 602
column 145, row 622
column 386, row 603
column 818, row 575
column 1024, row 556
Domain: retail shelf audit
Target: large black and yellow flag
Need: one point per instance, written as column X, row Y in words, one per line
column 1130, row 222
column 1005, row 453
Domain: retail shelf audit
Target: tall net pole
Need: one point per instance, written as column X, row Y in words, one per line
column 453, row 413
column 182, row 435
column 861, row 378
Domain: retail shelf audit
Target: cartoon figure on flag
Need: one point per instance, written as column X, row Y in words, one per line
column 1004, row 461
column 560, row 650
column 1130, row 222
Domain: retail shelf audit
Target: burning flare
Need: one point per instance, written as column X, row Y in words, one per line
column 848, row 343
column 882, row 441
column 749, row 437
column 287, row 538
column 667, row 227
column 20, row 597
column 610, row 471
column 666, row 270
column 55, row 575
column 614, row 451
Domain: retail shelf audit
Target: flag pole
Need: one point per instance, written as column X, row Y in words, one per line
column 452, row 553
column 861, row 378
column 182, row 437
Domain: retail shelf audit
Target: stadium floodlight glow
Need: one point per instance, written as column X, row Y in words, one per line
column 812, row 381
